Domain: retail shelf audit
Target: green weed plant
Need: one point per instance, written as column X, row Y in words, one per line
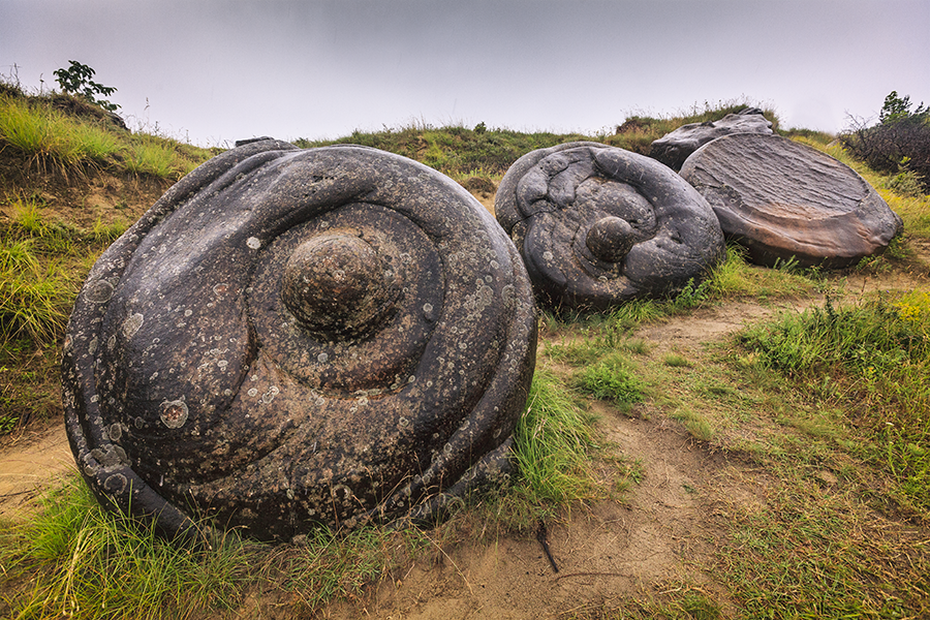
column 614, row 378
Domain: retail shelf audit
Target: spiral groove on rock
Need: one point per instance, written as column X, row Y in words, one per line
column 291, row 337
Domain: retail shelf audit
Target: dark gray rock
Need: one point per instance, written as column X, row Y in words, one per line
column 673, row 148
column 598, row 225
column 783, row 199
column 291, row 337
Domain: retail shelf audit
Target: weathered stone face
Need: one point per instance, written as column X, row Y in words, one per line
column 782, row 199
column 598, row 225
column 673, row 148
column 291, row 337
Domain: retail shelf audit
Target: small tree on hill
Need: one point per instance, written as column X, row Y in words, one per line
column 899, row 143
column 76, row 80
column 897, row 108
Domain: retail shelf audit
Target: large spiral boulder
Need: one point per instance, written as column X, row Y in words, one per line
column 292, row 337
column 597, row 225
column 784, row 200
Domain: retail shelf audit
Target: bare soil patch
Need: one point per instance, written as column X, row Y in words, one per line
column 658, row 538
column 29, row 464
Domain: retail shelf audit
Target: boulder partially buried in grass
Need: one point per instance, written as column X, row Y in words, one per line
column 292, row 337
column 598, row 225
column 784, row 200
column 673, row 148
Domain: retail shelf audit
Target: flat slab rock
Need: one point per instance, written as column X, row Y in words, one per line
column 597, row 225
column 293, row 337
column 673, row 148
column 782, row 199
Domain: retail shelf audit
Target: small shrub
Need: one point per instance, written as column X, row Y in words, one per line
column 898, row 144
column 76, row 80
column 906, row 182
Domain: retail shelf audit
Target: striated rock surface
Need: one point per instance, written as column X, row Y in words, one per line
column 783, row 199
column 673, row 148
column 597, row 225
column 291, row 337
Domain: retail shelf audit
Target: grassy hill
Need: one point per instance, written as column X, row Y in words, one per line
column 826, row 404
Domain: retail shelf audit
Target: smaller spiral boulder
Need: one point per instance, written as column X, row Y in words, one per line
column 297, row 337
column 597, row 225
column 784, row 200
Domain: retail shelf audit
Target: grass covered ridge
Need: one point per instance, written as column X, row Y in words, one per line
column 51, row 140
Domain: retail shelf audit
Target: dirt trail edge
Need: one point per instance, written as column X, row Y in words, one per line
column 658, row 538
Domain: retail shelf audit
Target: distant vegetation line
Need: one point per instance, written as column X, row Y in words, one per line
column 460, row 152
column 64, row 133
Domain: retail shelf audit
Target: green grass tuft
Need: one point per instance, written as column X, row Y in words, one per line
column 76, row 560
column 53, row 141
column 35, row 299
column 734, row 278
column 676, row 360
column 83, row 562
column 553, row 443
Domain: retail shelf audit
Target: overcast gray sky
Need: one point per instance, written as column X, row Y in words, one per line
column 214, row 71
